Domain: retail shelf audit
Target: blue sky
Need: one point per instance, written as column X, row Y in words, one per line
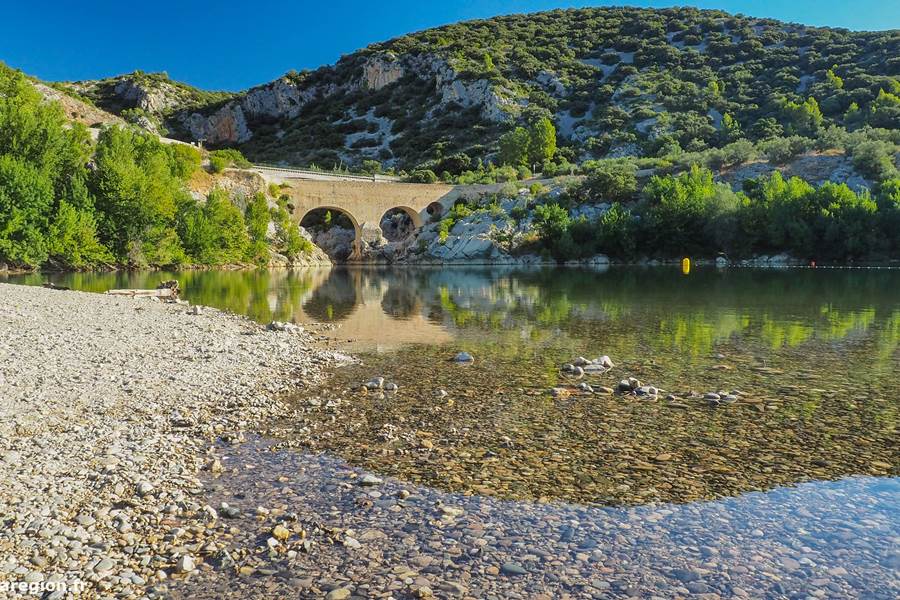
column 232, row 45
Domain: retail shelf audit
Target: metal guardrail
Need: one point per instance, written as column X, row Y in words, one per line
column 352, row 176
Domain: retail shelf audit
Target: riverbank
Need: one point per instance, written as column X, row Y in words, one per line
column 108, row 407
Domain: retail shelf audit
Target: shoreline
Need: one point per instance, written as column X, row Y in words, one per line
column 529, row 261
column 109, row 409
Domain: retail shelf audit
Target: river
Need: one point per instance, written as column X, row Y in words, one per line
column 788, row 489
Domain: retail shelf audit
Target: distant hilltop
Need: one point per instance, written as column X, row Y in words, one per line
column 613, row 81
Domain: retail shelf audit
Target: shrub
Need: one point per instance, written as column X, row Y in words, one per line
column 214, row 232
column 257, row 218
column 783, row 150
column 220, row 160
column 616, row 232
column 422, row 176
column 611, row 180
column 875, row 159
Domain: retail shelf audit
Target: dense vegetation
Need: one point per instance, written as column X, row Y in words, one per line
column 613, row 82
column 69, row 202
column 690, row 214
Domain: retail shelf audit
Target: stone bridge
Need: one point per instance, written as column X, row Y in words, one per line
column 366, row 202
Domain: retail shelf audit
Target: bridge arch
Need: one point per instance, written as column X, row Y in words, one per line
column 304, row 212
column 366, row 202
column 395, row 229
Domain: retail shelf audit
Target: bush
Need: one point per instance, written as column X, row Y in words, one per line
column 616, row 230
column 611, row 180
column 875, row 159
column 738, row 153
column 783, row 150
column 184, row 160
column 220, row 160
column 257, row 218
column 291, row 243
column 214, row 232
column 422, row 176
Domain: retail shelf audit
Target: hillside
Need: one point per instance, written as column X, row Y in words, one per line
column 614, row 81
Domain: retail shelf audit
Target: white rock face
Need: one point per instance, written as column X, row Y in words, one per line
column 155, row 100
column 226, row 125
column 285, row 98
column 281, row 98
column 381, row 71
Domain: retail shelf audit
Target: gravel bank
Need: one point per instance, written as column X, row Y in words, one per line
column 108, row 410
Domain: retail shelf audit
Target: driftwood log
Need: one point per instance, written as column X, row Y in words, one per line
column 167, row 290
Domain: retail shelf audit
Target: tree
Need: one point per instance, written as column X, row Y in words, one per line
column 26, row 195
column 422, row 176
column 292, row 244
column 514, row 147
column 731, row 129
column 611, row 180
column 184, row 160
column 875, row 159
column 766, row 129
column 550, row 219
column 804, row 118
column 214, row 232
column 257, row 218
column 541, row 141
column 833, row 79
column 678, row 209
column 72, row 238
column 616, row 232
column 552, row 223
column 219, row 160
column 138, row 196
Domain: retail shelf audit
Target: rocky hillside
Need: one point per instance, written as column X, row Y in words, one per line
column 614, row 81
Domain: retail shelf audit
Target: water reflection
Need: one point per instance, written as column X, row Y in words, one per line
column 815, row 354
column 780, row 308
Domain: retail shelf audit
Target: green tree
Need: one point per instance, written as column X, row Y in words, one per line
column 72, row 238
column 26, row 195
column 616, row 232
column 213, row 232
column 257, row 218
column 488, row 63
column 803, row 118
column 875, row 159
column 184, row 160
column 678, row 209
column 541, row 141
column 292, row 244
column 611, row 180
column 137, row 195
column 514, row 147
column 731, row 129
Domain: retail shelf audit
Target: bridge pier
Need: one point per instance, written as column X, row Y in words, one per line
column 366, row 233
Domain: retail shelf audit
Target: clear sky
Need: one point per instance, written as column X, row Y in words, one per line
column 231, row 45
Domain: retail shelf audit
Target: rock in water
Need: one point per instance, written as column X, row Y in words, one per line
column 376, row 383
column 511, row 568
column 463, row 357
column 369, row 479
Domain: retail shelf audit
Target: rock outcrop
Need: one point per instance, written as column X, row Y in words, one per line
column 381, row 71
column 225, row 126
column 156, row 99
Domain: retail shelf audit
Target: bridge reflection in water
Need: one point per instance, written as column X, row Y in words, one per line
column 374, row 309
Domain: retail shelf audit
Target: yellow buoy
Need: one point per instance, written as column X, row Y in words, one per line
column 686, row 266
